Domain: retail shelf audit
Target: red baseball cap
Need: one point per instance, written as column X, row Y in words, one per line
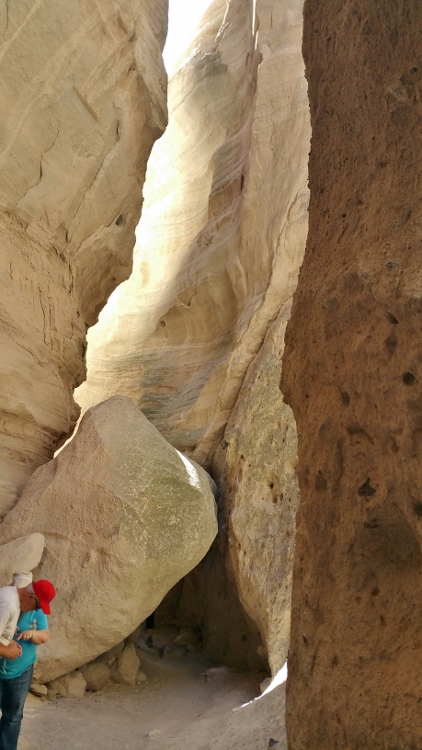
column 45, row 593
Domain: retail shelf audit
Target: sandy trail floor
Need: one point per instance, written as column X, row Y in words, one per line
column 175, row 709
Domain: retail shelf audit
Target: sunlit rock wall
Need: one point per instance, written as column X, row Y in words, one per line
column 219, row 247
column 83, row 98
column 353, row 377
column 166, row 335
column 222, row 230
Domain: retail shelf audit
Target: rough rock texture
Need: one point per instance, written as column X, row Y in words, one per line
column 20, row 554
column 222, row 231
column 83, row 98
column 124, row 517
column 219, row 246
column 208, row 602
column 353, row 376
column 257, row 465
column 126, row 668
column 72, row 685
column 96, row 675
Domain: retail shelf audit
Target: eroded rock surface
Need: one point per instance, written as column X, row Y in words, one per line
column 222, row 231
column 257, row 465
column 353, row 377
column 83, row 99
column 22, row 554
column 219, row 247
column 124, row 516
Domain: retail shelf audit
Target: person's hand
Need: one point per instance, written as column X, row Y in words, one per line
column 13, row 650
column 26, row 635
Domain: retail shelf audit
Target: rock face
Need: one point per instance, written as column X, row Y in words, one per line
column 222, row 231
column 21, row 554
column 83, row 99
column 257, row 465
column 124, row 516
column 219, row 247
column 353, row 376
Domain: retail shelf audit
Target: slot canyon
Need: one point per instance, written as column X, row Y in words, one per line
column 211, row 401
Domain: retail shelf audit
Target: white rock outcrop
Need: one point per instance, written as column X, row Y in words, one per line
column 82, row 98
column 124, row 516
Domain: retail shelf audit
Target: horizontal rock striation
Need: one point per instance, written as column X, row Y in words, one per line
column 352, row 374
column 83, row 99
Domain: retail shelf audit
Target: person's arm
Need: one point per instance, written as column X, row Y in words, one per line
column 8, row 648
column 34, row 636
column 12, row 651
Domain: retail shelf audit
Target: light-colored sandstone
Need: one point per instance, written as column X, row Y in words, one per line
column 353, row 376
column 82, row 100
column 222, row 231
column 219, row 247
column 72, row 685
column 96, row 675
column 126, row 668
column 124, row 516
column 257, row 464
column 23, row 553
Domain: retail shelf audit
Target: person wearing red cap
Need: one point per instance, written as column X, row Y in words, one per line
column 18, row 646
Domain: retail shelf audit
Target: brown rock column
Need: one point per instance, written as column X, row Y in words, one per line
column 353, row 376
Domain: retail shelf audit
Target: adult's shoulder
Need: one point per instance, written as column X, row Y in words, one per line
column 8, row 594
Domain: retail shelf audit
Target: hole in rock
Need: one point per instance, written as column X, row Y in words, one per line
column 408, row 378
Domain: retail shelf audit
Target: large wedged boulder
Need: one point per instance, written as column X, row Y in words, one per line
column 124, row 516
column 83, row 97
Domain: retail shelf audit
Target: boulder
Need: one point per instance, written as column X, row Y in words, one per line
column 39, row 690
column 23, row 553
column 126, row 668
column 125, row 516
column 141, row 677
column 72, row 685
column 96, row 675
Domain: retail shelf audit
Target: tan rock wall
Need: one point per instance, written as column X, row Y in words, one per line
column 222, row 231
column 352, row 375
column 219, row 246
column 83, row 99
column 257, row 466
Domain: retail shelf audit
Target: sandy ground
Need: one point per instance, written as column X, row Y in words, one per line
column 176, row 709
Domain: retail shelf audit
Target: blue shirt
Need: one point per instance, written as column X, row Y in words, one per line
column 9, row 668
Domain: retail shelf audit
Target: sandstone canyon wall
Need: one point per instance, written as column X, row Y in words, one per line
column 353, row 376
column 219, row 246
column 83, row 92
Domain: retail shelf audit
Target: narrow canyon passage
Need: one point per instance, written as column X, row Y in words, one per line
column 179, row 708
column 246, row 382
